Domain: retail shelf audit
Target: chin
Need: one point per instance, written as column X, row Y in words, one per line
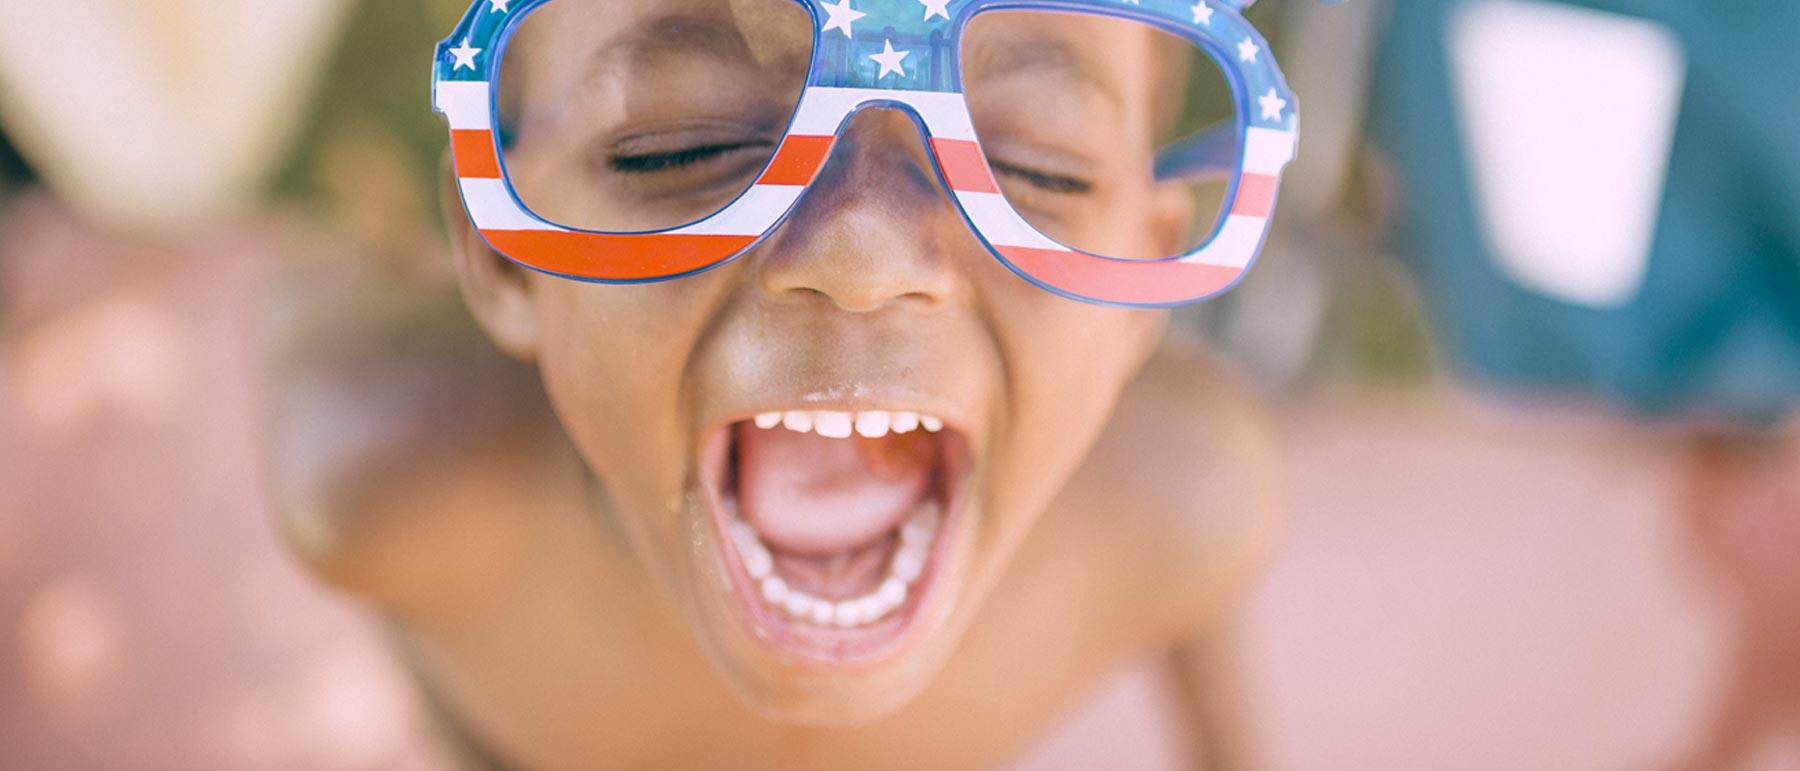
column 830, row 548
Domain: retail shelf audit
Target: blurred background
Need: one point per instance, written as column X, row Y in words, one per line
column 1530, row 327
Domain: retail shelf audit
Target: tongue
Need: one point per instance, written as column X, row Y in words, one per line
column 813, row 495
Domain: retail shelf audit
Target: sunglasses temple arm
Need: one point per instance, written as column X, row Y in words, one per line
column 1212, row 151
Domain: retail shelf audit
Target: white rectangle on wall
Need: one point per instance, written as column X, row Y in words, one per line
column 1569, row 118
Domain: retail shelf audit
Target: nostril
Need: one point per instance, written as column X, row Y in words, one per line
column 853, row 295
column 866, row 299
column 810, row 294
column 923, row 299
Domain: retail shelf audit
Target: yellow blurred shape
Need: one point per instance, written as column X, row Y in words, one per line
column 157, row 112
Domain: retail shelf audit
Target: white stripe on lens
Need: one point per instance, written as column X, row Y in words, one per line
column 750, row 215
column 1236, row 243
column 491, row 207
column 465, row 104
column 1001, row 224
column 823, row 108
column 1267, row 151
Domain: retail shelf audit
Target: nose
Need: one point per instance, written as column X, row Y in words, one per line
column 875, row 229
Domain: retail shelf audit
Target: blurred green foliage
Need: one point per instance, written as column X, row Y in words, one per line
column 376, row 85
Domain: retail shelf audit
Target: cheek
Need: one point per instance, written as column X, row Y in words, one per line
column 1121, row 223
column 612, row 364
column 1067, row 365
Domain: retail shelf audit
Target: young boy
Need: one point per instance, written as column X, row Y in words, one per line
column 860, row 498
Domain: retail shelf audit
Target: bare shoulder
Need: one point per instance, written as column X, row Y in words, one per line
column 1184, row 486
column 403, row 450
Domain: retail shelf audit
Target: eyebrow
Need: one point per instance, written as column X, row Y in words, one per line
column 1032, row 55
column 674, row 33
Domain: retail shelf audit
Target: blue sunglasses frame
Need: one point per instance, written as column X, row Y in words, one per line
column 848, row 74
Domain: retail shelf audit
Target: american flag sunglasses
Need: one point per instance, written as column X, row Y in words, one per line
column 902, row 55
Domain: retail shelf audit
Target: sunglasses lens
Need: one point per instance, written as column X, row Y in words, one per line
column 1088, row 119
column 627, row 116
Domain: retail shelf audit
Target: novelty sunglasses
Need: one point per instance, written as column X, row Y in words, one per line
column 657, row 205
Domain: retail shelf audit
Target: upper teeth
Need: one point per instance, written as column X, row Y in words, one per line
column 836, row 424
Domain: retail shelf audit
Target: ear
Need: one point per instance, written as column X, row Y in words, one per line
column 498, row 292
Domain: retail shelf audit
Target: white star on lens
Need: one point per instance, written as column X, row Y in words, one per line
column 499, row 6
column 841, row 16
column 465, row 55
column 889, row 59
column 1248, row 50
column 935, row 8
column 1272, row 105
column 1203, row 14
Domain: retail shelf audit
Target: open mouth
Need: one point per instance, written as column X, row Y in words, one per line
column 834, row 524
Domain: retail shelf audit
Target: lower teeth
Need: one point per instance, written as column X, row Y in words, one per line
column 908, row 562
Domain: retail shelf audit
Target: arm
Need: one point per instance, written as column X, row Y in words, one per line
column 1218, row 526
column 404, row 452
column 1208, row 674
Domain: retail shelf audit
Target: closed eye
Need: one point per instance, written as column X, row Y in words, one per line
column 1046, row 181
column 650, row 163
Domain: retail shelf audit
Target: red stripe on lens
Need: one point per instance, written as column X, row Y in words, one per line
column 615, row 257
column 1256, row 196
column 1121, row 281
column 798, row 160
column 964, row 166
column 474, row 153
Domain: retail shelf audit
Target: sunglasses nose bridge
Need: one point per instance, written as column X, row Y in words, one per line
column 940, row 118
column 879, row 147
column 826, row 110
column 867, row 231
column 884, row 111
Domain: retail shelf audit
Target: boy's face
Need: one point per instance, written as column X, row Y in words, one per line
column 805, row 561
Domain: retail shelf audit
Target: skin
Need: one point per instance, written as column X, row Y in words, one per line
column 549, row 564
column 1741, row 495
column 524, row 620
